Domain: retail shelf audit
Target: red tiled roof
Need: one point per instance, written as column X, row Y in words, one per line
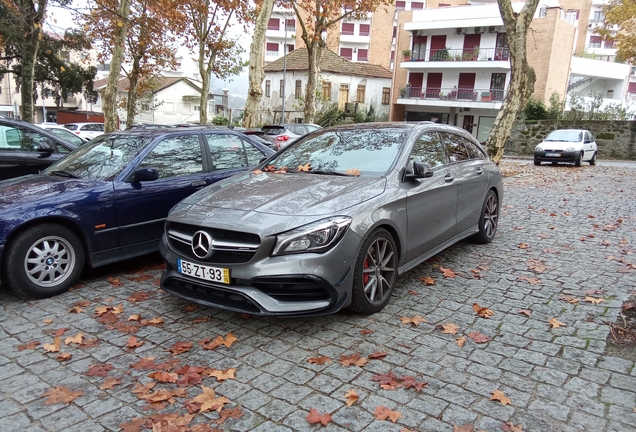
column 297, row 60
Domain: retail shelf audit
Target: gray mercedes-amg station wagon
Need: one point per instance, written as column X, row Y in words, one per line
column 332, row 220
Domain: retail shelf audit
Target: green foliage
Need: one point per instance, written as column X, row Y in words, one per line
column 535, row 110
column 370, row 117
column 557, row 106
column 582, row 109
column 220, row 121
column 440, row 55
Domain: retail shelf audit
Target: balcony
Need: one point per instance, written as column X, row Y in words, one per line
column 450, row 96
column 462, row 55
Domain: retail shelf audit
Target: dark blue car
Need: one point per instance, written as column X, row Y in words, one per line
column 107, row 201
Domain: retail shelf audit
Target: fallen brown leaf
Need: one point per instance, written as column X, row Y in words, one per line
column 61, row 394
column 482, row 311
column 315, row 417
column 449, row 328
column 415, row 320
column 428, row 280
column 498, row 395
column 555, row 323
column 319, row 360
column 351, row 397
column 383, row 413
column 460, row 341
column 353, row 360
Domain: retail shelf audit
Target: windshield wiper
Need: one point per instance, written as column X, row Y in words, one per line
column 326, row 172
column 61, row 173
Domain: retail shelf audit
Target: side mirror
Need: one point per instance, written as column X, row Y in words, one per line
column 45, row 147
column 143, row 174
column 419, row 170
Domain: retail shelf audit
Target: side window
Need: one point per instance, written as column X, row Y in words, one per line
column 12, row 138
column 455, row 148
column 61, row 149
column 429, row 150
column 254, row 155
column 175, row 156
column 473, row 150
column 227, row 151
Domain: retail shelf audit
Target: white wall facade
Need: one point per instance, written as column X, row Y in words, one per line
column 271, row 104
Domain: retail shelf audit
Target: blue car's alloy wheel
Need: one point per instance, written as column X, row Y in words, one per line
column 43, row 260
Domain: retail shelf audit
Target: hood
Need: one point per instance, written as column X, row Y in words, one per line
column 560, row 145
column 292, row 194
column 39, row 188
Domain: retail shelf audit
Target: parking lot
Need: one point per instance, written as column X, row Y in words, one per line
column 512, row 335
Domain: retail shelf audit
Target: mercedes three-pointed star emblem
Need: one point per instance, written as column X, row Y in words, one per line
column 202, row 245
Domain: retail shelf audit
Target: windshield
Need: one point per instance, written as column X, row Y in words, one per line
column 66, row 135
column 70, row 126
column 368, row 153
column 565, row 135
column 102, row 158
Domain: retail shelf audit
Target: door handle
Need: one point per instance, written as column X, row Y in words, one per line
column 198, row 183
column 479, row 171
column 448, row 178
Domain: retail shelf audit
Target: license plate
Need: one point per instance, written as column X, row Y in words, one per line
column 212, row 274
column 553, row 154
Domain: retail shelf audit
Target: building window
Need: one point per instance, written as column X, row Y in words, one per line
column 268, row 88
column 608, row 43
column 400, row 5
column 599, row 17
column 417, row 5
column 444, row 5
column 346, row 53
column 348, row 29
column 573, row 13
column 364, row 29
column 392, row 55
column 273, row 24
column 281, row 90
column 386, row 95
column 326, row 90
column 290, row 48
column 145, row 107
column 272, row 48
column 363, row 55
column 299, row 89
column 394, row 31
column 595, row 41
column 360, row 93
column 543, row 12
column 290, row 25
column 197, row 108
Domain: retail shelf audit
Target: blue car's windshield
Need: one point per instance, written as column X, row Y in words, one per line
column 101, row 159
column 368, row 153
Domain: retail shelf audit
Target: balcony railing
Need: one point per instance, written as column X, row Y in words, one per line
column 476, row 54
column 271, row 53
column 452, row 94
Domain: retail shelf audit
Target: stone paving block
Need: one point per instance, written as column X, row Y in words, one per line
column 586, row 422
column 253, row 399
column 20, row 422
column 623, row 382
column 456, row 395
column 65, row 418
column 581, row 386
column 276, row 409
column 621, row 414
column 549, row 376
column 618, row 397
column 290, row 392
column 616, row 364
column 530, row 357
column 271, row 427
column 458, row 415
column 352, row 418
column 549, row 411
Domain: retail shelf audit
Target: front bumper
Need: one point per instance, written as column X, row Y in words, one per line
column 556, row 156
column 289, row 285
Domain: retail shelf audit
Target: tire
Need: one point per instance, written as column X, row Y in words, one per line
column 43, row 261
column 537, row 162
column 593, row 160
column 367, row 295
column 489, row 219
column 577, row 162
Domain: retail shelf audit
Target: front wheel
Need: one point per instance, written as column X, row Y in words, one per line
column 375, row 273
column 593, row 160
column 43, row 261
column 488, row 219
column 577, row 162
column 537, row 162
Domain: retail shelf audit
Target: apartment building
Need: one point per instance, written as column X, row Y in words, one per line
column 457, row 69
column 365, row 40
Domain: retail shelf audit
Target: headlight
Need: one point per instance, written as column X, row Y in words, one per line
column 315, row 237
column 570, row 149
column 538, row 148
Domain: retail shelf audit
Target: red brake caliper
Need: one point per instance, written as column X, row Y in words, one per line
column 365, row 276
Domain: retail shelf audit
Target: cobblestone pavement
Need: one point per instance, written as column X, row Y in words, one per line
column 564, row 233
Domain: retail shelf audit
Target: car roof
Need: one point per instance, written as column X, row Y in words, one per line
column 83, row 123
column 43, row 131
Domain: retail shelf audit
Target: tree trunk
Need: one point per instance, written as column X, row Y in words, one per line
column 109, row 94
column 256, row 76
column 131, row 103
column 27, row 109
column 522, row 76
column 314, row 53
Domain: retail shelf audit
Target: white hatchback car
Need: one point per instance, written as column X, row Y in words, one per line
column 64, row 133
column 86, row 130
column 567, row 145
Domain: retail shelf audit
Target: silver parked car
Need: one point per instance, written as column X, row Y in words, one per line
column 332, row 220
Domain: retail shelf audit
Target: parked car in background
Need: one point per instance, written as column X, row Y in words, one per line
column 286, row 134
column 262, row 136
column 567, row 145
column 86, row 130
column 61, row 132
column 355, row 206
column 28, row 149
column 107, row 201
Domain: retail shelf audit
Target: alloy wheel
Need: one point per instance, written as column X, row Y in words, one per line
column 491, row 216
column 378, row 273
column 49, row 261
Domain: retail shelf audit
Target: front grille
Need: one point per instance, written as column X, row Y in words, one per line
column 230, row 247
column 210, row 295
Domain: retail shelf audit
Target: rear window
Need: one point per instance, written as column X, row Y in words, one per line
column 273, row 130
column 565, row 135
column 70, row 126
